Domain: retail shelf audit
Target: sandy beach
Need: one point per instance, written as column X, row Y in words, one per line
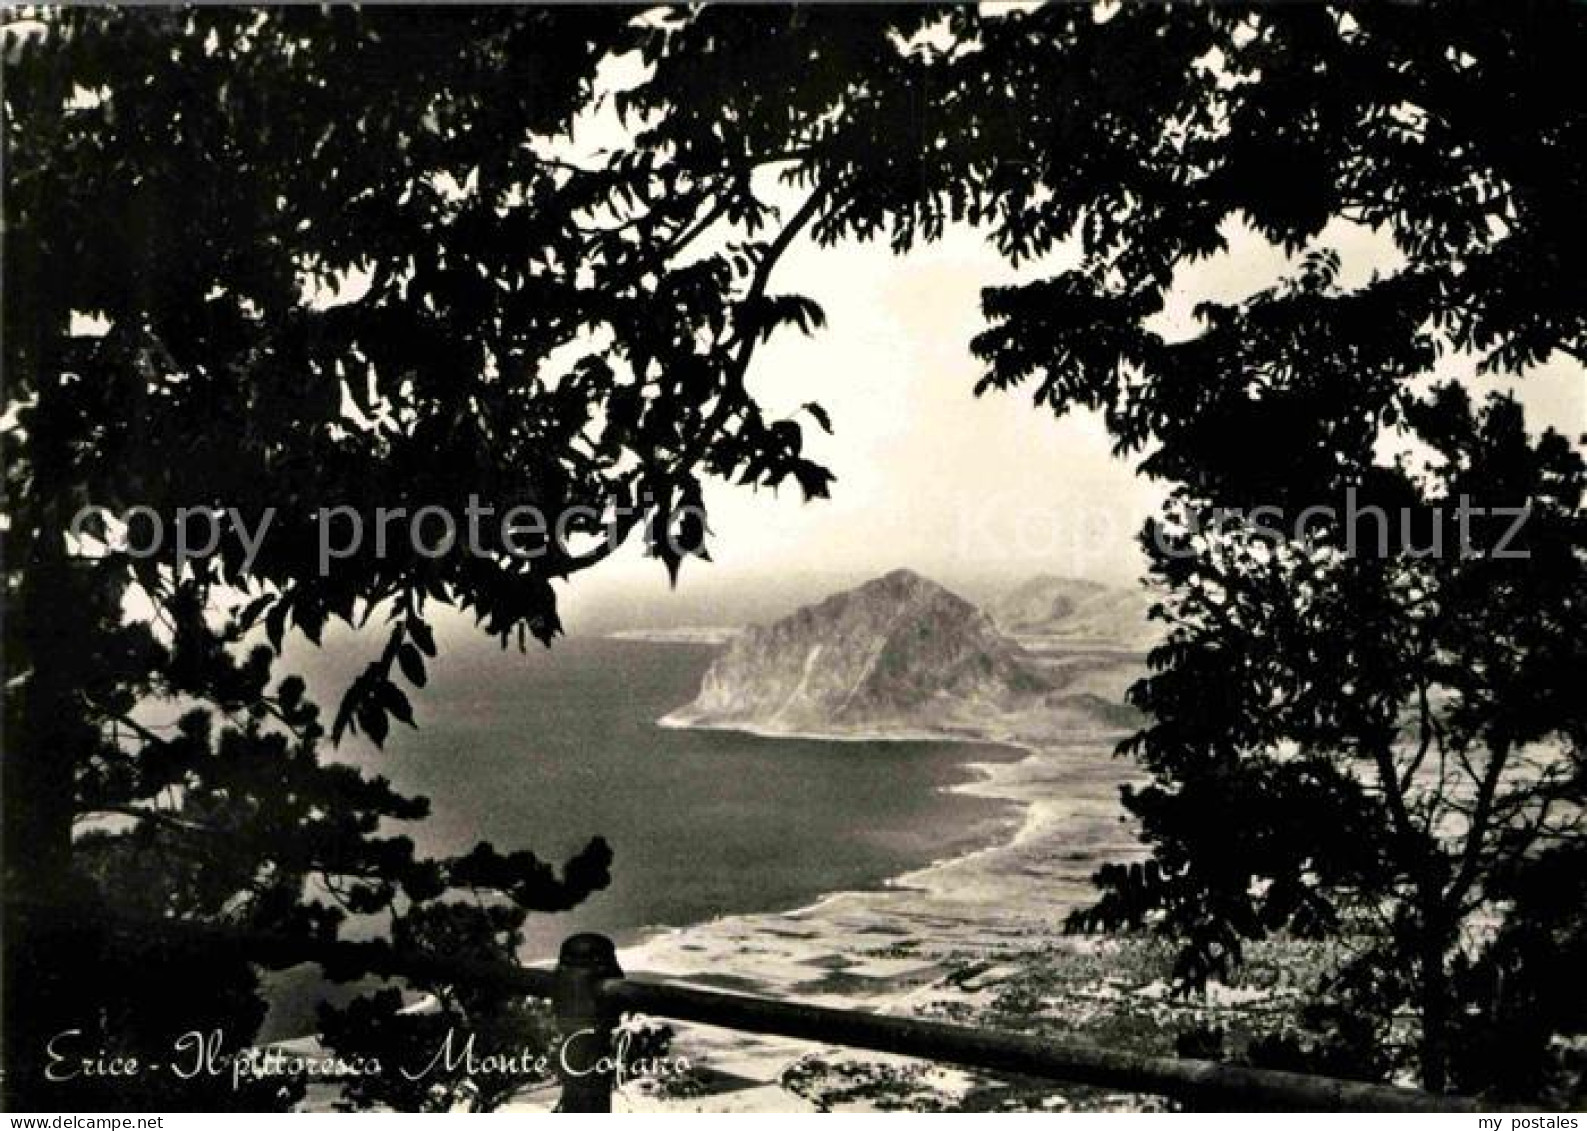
column 938, row 942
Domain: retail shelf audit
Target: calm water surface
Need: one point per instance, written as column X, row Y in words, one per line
column 545, row 750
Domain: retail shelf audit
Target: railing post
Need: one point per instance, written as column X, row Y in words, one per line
column 585, row 1062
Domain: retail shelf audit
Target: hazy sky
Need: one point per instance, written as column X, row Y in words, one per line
column 967, row 490
column 962, row 488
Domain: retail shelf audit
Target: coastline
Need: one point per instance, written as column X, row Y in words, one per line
column 1014, row 826
column 995, row 780
column 678, row 720
column 981, row 783
column 689, row 634
column 931, row 941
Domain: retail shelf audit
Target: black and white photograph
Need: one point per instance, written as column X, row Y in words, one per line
column 789, row 558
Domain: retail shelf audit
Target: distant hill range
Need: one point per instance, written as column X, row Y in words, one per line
column 903, row 655
column 1064, row 612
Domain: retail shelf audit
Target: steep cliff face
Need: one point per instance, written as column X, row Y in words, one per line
column 897, row 652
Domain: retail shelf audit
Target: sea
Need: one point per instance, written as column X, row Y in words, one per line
column 544, row 750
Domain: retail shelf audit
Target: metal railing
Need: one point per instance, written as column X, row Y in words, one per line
column 589, row 994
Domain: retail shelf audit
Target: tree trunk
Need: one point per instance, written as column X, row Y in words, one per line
column 1434, row 1004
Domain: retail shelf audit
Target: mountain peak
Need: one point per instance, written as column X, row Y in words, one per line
column 901, row 583
column 885, row 653
column 902, row 576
